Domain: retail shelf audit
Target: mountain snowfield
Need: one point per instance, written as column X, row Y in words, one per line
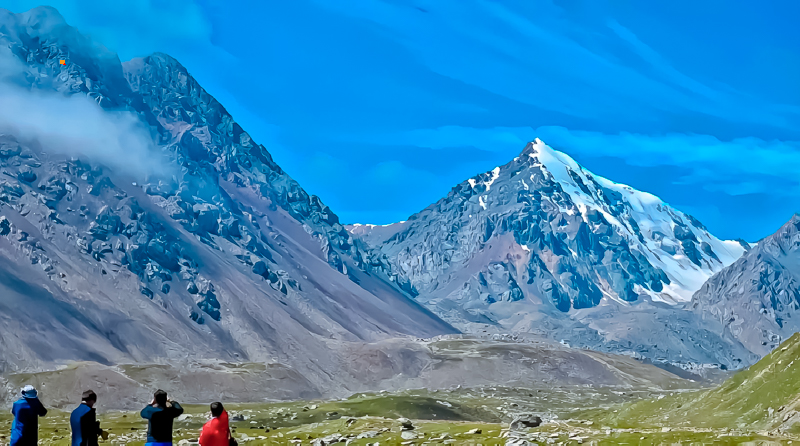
column 541, row 245
column 646, row 222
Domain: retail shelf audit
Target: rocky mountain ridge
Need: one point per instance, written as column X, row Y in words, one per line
column 756, row 300
column 541, row 245
column 220, row 255
column 556, row 209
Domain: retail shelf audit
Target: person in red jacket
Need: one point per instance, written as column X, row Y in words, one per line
column 216, row 431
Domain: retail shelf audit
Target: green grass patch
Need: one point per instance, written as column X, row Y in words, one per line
column 750, row 399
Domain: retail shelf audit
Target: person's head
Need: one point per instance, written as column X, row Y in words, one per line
column 216, row 409
column 29, row 392
column 89, row 398
column 160, row 397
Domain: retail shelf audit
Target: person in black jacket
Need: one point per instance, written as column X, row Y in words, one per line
column 83, row 421
column 160, row 413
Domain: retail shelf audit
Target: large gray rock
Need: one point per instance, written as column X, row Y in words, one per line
column 525, row 421
column 5, row 226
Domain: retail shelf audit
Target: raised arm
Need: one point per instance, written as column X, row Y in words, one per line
column 38, row 407
column 176, row 408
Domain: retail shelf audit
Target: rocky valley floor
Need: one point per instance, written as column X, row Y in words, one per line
column 464, row 417
column 758, row 406
column 390, row 365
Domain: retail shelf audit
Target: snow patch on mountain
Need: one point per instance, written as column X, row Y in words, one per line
column 541, row 246
column 654, row 222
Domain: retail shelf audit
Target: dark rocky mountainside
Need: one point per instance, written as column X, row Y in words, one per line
column 542, row 246
column 211, row 252
column 756, row 300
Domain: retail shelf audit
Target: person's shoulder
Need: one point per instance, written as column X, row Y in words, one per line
column 150, row 409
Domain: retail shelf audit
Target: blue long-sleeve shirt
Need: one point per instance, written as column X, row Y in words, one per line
column 25, row 427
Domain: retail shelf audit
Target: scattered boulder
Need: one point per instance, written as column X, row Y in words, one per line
column 408, row 435
column 406, row 424
column 146, row 291
column 229, row 227
column 10, row 192
column 26, row 175
column 107, row 223
column 525, row 421
column 330, row 439
column 55, row 187
column 260, row 268
column 206, row 217
column 519, row 442
column 5, row 226
column 9, row 149
column 210, row 305
column 102, row 185
column 164, row 253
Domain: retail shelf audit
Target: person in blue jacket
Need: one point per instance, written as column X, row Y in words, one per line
column 160, row 414
column 26, row 411
column 83, row 421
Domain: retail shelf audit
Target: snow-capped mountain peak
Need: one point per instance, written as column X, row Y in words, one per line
column 542, row 246
column 583, row 237
column 661, row 232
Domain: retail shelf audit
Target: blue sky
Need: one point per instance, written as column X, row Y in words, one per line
column 381, row 106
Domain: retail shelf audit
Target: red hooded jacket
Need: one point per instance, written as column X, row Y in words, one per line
column 216, row 431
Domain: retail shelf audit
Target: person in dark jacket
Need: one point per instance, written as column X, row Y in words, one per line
column 160, row 413
column 83, row 421
column 26, row 411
